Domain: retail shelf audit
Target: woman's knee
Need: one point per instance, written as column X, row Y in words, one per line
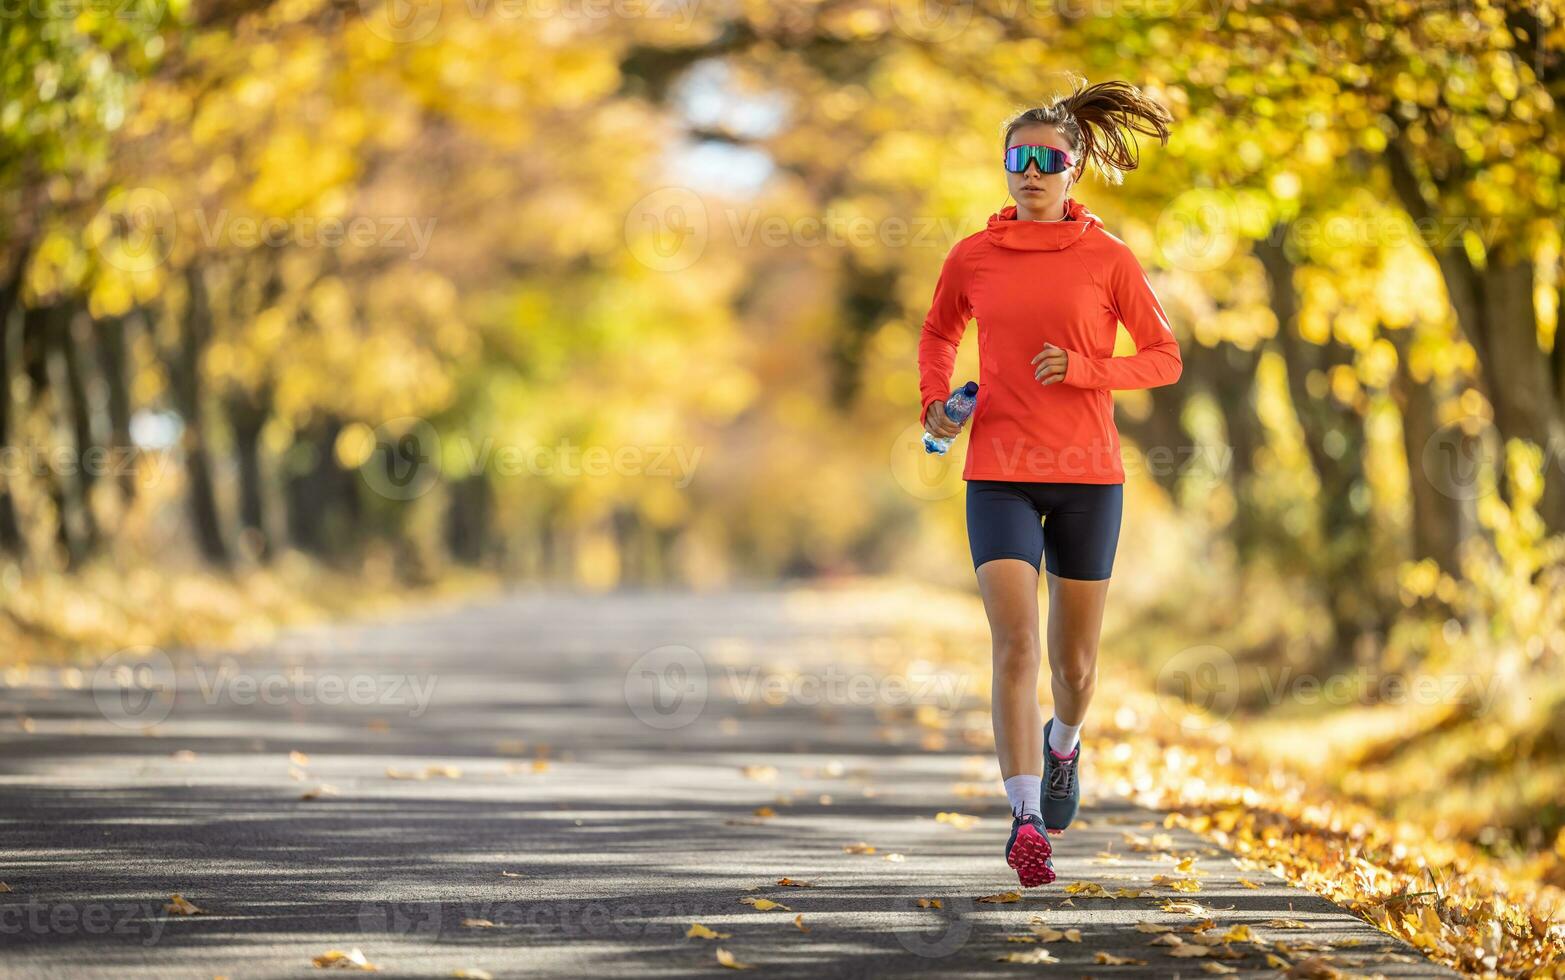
column 1077, row 670
column 1017, row 655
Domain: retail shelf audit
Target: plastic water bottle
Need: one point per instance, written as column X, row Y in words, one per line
column 958, row 407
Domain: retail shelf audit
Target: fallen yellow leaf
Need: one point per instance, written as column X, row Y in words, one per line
column 727, row 959
column 1002, row 898
column 961, row 821
column 798, row 920
column 699, row 931
column 179, row 905
column 1038, row 955
column 763, row 904
column 1109, row 959
column 795, row 883
column 337, row 959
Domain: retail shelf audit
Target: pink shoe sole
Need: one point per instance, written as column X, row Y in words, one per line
column 1030, row 858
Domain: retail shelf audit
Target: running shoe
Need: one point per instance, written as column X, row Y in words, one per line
column 1061, row 785
column 1028, row 852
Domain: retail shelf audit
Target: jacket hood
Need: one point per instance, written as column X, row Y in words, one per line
column 1041, row 236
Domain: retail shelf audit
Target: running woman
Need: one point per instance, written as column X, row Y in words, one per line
column 1048, row 286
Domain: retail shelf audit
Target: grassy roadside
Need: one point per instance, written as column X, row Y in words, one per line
column 56, row 618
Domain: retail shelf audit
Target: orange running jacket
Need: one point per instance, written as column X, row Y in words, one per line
column 1065, row 282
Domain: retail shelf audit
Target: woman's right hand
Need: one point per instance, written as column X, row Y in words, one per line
column 938, row 425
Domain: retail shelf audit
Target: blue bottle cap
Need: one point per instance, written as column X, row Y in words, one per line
column 970, row 389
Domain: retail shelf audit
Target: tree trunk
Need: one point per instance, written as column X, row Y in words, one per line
column 1442, row 518
column 37, row 327
column 1229, row 373
column 1161, row 436
column 247, row 413
column 186, row 386
column 11, row 540
column 1494, row 307
column 114, row 364
column 468, row 519
column 323, row 504
column 1334, row 438
column 72, row 333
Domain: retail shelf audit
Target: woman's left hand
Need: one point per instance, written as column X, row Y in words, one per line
column 1049, row 365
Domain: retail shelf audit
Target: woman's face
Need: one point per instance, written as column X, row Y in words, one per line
column 1034, row 190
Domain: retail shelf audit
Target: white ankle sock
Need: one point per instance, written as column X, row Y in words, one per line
column 1062, row 737
column 1025, row 793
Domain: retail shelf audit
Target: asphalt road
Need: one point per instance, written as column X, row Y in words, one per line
column 557, row 786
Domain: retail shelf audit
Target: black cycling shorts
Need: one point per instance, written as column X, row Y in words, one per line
column 1073, row 527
